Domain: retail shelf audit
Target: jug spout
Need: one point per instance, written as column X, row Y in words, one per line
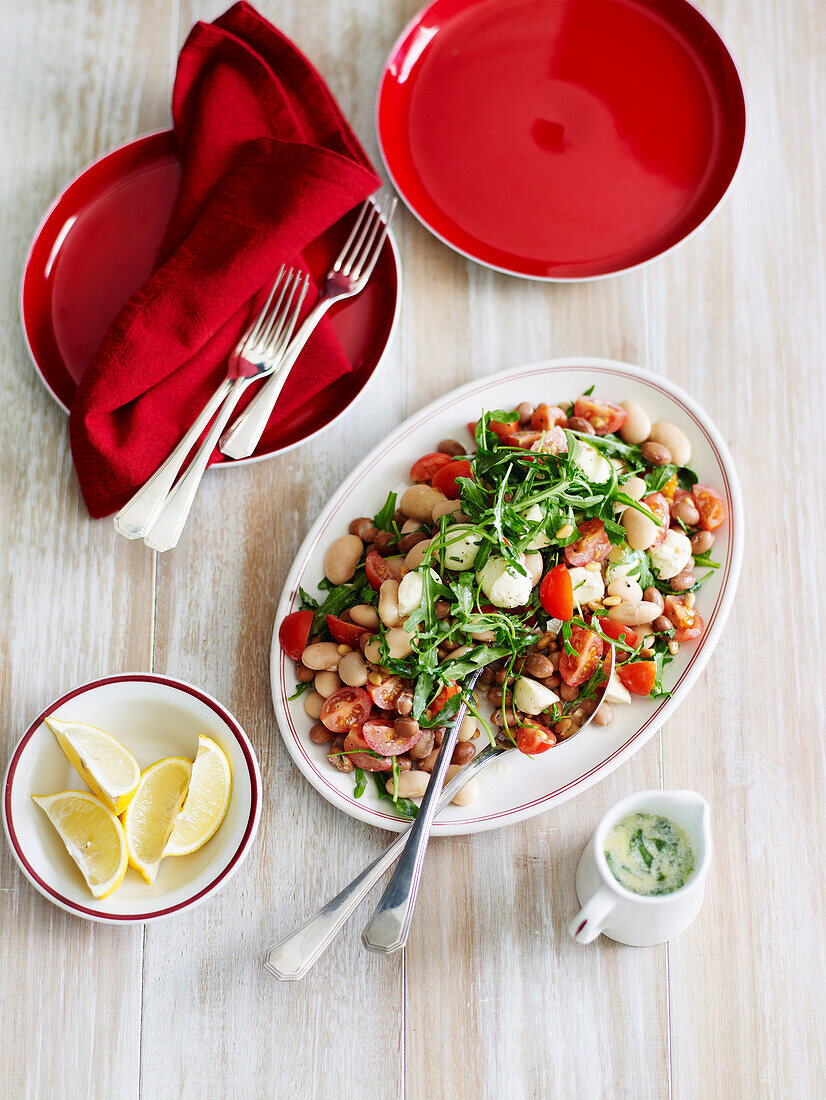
column 696, row 814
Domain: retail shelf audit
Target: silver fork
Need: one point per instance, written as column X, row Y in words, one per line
column 347, row 277
column 291, row 957
column 256, row 353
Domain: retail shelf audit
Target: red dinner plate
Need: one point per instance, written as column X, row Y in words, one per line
column 561, row 139
column 97, row 245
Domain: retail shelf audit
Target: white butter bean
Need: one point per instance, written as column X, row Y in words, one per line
column 419, row 501
column 637, row 423
column 326, row 683
column 321, row 656
column 341, row 559
column 673, row 439
column 469, row 793
column 626, row 588
column 634, row 614
column 365, row 615
column 640, row 531
column 411, row 784
column 389, row 602
column 313, row 702
column 352, row 669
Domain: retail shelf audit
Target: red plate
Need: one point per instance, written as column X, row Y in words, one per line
column 561, row 139
column 97, row 245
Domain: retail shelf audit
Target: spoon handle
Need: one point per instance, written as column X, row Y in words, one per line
column 294, row 954
column 388, row 928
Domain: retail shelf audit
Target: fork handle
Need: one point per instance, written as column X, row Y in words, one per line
column 294, row 954
column 166, row 528
column 135, row 517
column 242, row 438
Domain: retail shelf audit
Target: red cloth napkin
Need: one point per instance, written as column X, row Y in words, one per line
column 269, row 163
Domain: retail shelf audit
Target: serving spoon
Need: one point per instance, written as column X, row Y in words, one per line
column 291, row 957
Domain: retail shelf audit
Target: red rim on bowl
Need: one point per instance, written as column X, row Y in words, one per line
column 107, row 916
column 561, row 139
column 97, row 244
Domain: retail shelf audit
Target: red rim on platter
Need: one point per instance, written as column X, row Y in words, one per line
column 97, row 244
column 101, row 913
column 561, row 139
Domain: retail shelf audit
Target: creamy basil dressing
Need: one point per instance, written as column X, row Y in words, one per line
column 649, row 854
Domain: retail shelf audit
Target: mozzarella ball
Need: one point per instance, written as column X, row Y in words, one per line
column 531, row 697
column 587, row 584
column 502, row 584
column 462, row 553
column 533, row 515
column 590, row 461
column 671, row 556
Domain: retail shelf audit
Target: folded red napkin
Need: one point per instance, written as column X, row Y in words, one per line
column 269, row 163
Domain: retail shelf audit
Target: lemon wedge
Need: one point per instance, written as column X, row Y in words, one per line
column 150, row 817
column 206, row 803
column 110, row 769
column 93, row 836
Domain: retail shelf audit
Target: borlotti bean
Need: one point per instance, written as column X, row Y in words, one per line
column 481, row 558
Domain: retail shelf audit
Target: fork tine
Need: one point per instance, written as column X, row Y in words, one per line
column 275, row 320
column 366, row 206
column 275, row 349
column 370, row 222
column 367, row 269
column 254, row 331
column 382, row 224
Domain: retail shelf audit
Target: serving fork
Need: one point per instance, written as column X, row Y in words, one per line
column 158, row 512
column 347, row 277
column 291, row 957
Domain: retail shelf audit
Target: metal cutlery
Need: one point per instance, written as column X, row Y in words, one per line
column 157, row 512
column 347, row 277
column 291, row 957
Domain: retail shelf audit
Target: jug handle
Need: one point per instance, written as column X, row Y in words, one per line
column 589, row 921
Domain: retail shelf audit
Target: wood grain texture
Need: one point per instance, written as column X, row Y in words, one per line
column 491, row 998
column 76, row 602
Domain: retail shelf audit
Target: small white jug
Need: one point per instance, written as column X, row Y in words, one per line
column 633, row 919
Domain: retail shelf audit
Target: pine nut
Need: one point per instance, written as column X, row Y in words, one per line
column 345, row 649
column 612, row 601
column 374, row 677
column 673, row 646
column 690, row 599
column 594, row 567
column 564, row 531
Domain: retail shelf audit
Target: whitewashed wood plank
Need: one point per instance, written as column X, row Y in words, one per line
column 76, row 602
column 739, row 319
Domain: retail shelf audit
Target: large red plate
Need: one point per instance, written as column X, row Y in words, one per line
column 97, row 245
column 561, row 139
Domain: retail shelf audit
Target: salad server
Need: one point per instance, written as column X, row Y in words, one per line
column 291, row 957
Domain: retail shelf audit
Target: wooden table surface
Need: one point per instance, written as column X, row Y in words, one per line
column 491, row 998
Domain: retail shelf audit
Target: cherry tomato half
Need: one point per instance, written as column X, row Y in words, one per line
column 556, row 593
column 380, row 735
column 687, row 623
column 575, row 670
column 345, row 709
column 361, row 754
column 638, row 676
column 445, row 478
column 345, row 633
column 447, row 692
column 386, row 693
column 523, row 438
column 603, row 416
column 546, row 417
column 533, row 739
column 592, row 545
column 378, row 571
column 425, row 467
column 659, row 506
column 619, row 633
column 711, row 506
column 294, row 632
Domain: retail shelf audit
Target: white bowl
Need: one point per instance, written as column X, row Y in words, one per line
column 516, row 787
column 154, row 716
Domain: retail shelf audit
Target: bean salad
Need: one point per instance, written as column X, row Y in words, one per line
column 560, row 531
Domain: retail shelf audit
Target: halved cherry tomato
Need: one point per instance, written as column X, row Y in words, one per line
column 386, row 693
column 378, row 571
column 638, row 676
column 556, row 593
column 425, row 467
column 502, row 428
column 619, row 633
column 447, row 692
column 659, row 506
column 575, row 670
column 380, row 735
column 523, row 438
column 603, row 416
column 546, row 417
column 533, row 739
column 345, row 633
column 361, row 754
column 294, row 632
column 687, row 623
column 445, row 478
column 711, row 506
column 345, row 709
column 670, row 489
column 592, row 545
